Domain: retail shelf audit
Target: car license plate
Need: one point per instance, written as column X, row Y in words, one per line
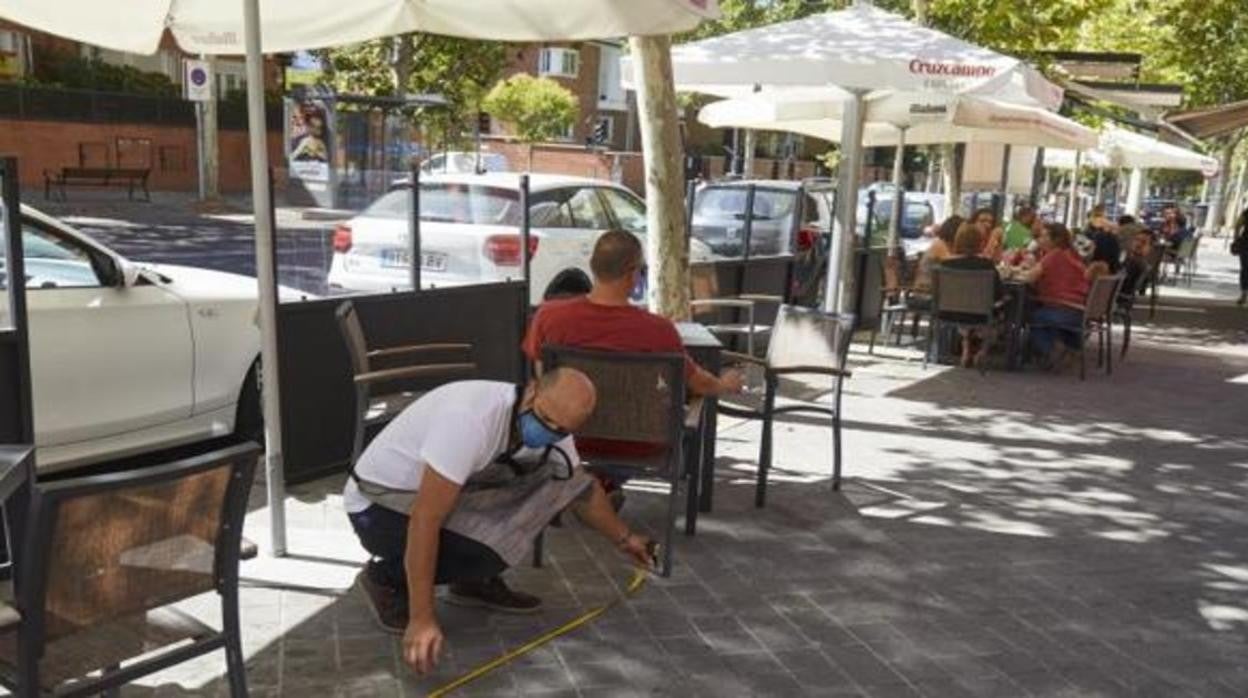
column 429, row 261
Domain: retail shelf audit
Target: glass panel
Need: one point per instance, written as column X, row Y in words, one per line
column 52, row 262
column 6, row 301
column 587, row 210
column 629, row 212
column 719, row 221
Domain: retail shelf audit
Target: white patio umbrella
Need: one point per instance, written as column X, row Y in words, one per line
column 932, row 121
column 223, row 27
column 854, row 57
column 1119, row 147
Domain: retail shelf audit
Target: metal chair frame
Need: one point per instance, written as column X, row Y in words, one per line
column 773, row 371
column 37, row 553
column 679, row 421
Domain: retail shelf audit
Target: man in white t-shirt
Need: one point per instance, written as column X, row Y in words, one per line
column 408, row 503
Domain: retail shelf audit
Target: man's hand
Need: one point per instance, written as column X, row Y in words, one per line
column 731, row 381
column 422, row 645
column 637, row 547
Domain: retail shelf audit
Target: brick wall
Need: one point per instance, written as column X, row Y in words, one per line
column 170, row 152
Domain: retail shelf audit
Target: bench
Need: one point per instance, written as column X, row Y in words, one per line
column 129, row 177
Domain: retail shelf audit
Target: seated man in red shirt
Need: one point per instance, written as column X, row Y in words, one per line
column 606, row 320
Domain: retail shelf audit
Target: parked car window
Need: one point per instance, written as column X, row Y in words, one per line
column 53, row 262
column 587, row 210
column 444, row 202
column 629, row 212
column 550, row 209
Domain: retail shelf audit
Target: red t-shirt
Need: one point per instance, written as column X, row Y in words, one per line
column 1063, row 279
column 578, row 322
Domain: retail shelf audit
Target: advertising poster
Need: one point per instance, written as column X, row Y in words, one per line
column 309, row 142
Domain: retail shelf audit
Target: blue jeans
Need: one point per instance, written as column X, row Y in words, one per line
column 383, row 533
column 1050, row 324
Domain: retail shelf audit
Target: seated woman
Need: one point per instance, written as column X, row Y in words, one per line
column 941, row 249
column 1060, row 283
column 967, row 247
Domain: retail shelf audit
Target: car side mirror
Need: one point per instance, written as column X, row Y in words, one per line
column 129, row 275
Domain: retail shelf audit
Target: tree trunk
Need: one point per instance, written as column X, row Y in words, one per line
column 529, row 168
column 1219, row 208
column 951, row 170
column 666, row 247
column 212, row 160
column 401, row 67
column 920, row 11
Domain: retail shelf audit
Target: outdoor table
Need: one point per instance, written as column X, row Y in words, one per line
column 704, row 348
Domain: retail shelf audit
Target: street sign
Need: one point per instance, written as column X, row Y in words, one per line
column 197, row 80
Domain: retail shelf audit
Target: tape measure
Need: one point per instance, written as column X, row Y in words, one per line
column 637, row 582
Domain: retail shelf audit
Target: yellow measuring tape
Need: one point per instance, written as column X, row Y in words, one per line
column 638, row 581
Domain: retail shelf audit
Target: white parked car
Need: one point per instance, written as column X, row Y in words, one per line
column 470, row 233
column 128, row 358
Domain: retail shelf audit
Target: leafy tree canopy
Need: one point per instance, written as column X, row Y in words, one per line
column 539, row 109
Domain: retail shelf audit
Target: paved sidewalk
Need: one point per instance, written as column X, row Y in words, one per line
column 1001, row 535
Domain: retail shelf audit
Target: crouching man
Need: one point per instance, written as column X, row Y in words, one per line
column 456, row 489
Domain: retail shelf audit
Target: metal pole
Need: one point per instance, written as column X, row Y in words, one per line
column 899, row 193
column 266, row 280
column 747, row 158
column 199, row 151
column 1135, row 191
column 1100, row 183
column 1039, row 177
column 1005, row 184
column 749, row 222
column 1072, row 205
column 691, row 195
column 524, row 231
column 413, row 229
column 839, row 297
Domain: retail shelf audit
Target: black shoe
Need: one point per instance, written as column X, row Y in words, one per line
column 494, row 595
column 389, row 606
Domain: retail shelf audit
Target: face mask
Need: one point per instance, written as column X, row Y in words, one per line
column 535, row 433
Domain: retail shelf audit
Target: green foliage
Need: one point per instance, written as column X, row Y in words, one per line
column 77, row 72
column 1019, row 27
column 539, row 109
column 461, row 70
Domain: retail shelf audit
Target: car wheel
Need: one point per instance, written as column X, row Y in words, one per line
column 249, row 418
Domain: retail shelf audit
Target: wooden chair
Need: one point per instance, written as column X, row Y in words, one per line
column 102, row 560
column 375, row 369
column 805, row 342
column 964, row 298
column 641, row 398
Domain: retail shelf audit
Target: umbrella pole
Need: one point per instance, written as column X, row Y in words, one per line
column 1006, row 209
column 1072, row 206
column 257, row 132
column 899, row 194
column 839, row 296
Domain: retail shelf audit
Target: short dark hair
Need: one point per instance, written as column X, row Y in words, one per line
column 981, row 211
column 1059, row 235
column 1023, row 211
column 616, row 255
column 1126, row 219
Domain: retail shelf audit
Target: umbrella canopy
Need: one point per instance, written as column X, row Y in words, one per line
column 1121, row 148
column 860, row 48
column 933, row 120
column 216, row 26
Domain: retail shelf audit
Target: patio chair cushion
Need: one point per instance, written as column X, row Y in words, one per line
column 79, row 654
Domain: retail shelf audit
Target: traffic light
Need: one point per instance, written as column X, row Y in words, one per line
column 601, row 132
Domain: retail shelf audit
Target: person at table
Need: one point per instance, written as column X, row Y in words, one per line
column 992, row 237
column 940, row 250
column 605, row 319
column 1018, row 233
column 455, row 489
column 1137, row 259
column 1104, row 237
column 967, row 245
column 1174, row 228
column 1060, row 284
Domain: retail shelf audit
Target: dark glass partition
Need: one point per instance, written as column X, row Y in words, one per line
column 16, row 423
